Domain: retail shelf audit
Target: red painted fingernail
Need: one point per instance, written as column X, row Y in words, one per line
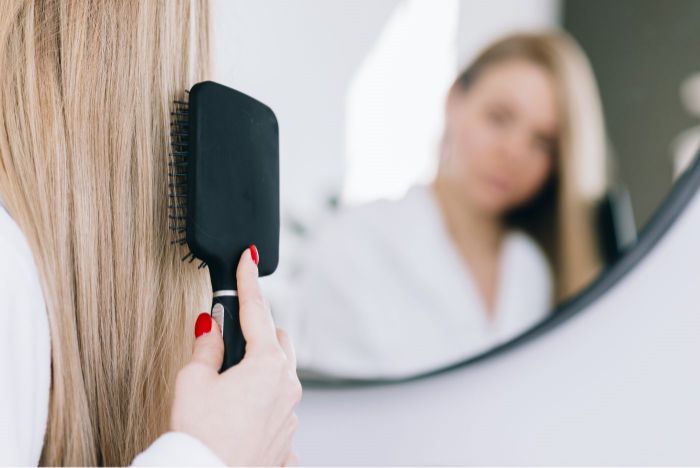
column 202, row 325
column 254, row 253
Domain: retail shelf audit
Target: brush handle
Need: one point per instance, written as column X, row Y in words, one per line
column 225, row 311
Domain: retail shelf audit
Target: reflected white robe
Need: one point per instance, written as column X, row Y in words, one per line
column 383, row 292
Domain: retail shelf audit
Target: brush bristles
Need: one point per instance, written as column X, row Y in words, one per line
column 177, row 175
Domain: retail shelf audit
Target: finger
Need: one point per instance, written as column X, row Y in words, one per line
column 209, row 346
column 287, row 347
column 256, row 320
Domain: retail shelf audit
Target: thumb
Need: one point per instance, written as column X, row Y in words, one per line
column 209, row 344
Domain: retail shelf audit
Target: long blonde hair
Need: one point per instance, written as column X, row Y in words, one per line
column 85, row 95
column 563, row 217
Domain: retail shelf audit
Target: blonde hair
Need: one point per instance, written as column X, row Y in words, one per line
column 84, row 135
column 563, row 217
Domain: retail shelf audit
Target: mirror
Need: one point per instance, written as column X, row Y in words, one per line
column 563, row 397
column 453, row 171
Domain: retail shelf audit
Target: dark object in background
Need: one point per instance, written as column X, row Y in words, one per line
column 616, row 227
column 641, row 51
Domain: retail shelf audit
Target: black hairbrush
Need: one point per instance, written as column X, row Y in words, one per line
column 224, row 181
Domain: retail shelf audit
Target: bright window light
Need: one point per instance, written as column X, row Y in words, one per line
column 395, row 102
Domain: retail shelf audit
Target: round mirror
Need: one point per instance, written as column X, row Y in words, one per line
column 459, row 175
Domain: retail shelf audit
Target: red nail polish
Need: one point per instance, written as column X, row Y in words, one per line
column 202, row 325
column 254, row 253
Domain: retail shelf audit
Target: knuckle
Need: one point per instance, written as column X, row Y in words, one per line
column 260, row 303
column 212, row 344
column 295, row 391
column 298, row 391
column 254, row 301
column 282, row 335
column 278, row 361
column 274, row 362
column 294, row 422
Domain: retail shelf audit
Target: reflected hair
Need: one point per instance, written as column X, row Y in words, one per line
column 562, row 216
column 85, row 96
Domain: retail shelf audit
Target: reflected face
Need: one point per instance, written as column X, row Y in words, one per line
column 500, row 137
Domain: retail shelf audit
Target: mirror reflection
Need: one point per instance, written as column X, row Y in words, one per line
column 478, row 178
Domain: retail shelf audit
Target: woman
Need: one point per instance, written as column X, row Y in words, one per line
column 95, row 303
column 393, row 289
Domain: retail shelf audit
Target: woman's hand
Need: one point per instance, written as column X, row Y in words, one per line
column 246, row 414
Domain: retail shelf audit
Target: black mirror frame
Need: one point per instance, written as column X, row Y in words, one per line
column 670, row 209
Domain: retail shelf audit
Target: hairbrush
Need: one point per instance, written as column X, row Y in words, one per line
column 224, row 193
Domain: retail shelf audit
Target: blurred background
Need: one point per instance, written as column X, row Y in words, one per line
column 646, row 57
column 359, row 89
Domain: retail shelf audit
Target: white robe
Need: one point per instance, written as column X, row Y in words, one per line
column 25, row 367
column 383, row 292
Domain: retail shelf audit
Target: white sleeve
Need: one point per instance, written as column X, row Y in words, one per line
column 25, row 367
column 25, row 351
column 177, row 449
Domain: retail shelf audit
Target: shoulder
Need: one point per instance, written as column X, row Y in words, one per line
column 370, row 236
column 17, row 266
column 360, row 248
column 21, row 297
column 177, row 449
column 25, row 351
column 380, row 217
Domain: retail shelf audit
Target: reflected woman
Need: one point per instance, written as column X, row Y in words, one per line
column 393, row 289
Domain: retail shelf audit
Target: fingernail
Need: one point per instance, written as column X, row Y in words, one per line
column 254, row 253
column 202, row 325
